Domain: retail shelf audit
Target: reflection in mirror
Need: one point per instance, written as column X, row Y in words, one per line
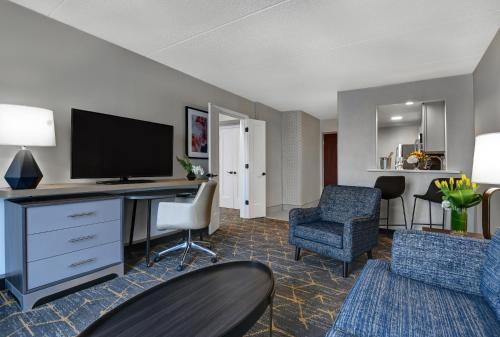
column 412, row 135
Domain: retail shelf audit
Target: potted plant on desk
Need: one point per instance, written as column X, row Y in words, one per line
column 458, row 195
column 192, row 170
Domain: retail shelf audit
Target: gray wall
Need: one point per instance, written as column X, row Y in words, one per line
column 48, row 64
column 487, row 107
column 356, row 142
column 292, row 156
column 301, row 159
column 311, row 159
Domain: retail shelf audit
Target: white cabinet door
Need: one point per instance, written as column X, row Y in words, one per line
column 228, row 149
column 252, row 170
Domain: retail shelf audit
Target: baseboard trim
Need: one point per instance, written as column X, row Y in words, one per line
column 275, row 208
column 287, row 207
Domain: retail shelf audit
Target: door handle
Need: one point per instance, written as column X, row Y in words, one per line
column 263, row 173
column 78, row 215
column 211, row 175
column 230, row 172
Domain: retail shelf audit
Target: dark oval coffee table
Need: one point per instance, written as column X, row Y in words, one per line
column 225, row 299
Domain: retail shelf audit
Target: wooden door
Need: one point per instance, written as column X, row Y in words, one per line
column 330, row 159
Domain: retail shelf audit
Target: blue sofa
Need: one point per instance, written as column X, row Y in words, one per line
column 436, row 285
column 343, row 226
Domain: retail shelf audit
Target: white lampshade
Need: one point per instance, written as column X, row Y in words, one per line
column 486, row 167
column 26, row 126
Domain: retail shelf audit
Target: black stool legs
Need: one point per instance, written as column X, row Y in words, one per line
column 404, row 213
column 430, row 215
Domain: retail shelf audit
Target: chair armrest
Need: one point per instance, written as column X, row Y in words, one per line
column 360, row 235
column 303, row 215
column 452, row 262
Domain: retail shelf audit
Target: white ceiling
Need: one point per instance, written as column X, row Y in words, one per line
column 293, row 54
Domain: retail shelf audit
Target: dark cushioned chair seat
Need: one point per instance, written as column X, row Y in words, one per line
column 328, row 233
column 384, row 304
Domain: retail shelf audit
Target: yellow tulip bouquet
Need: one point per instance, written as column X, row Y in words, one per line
column 458, row 195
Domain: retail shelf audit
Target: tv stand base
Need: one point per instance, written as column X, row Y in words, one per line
column 125, row 181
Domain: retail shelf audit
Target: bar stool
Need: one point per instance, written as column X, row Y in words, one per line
column 433, row 194
column 392, row 187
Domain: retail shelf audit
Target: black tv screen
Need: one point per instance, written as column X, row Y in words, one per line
column 106, row 146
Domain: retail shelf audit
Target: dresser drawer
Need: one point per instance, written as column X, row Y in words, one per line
column 48, row 244
column 48, row 218
column 57, row 268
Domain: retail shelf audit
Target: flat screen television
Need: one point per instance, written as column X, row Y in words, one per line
column 106, row 146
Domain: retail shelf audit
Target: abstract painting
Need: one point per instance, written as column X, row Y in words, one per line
column 196, row 133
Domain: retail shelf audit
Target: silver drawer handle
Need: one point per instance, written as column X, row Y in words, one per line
column 77, row 215
column 79, row 263
column 82, row 238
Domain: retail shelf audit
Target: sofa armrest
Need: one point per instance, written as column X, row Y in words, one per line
column 303, row 215
column 452, row 262
column 360, row 235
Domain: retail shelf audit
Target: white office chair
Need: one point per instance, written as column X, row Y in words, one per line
column 188, row 216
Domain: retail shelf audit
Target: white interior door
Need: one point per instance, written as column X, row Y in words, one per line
column 253, row 168
column 213, row 162
column 229, row 138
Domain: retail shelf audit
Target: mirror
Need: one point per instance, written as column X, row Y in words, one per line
column 412, row 135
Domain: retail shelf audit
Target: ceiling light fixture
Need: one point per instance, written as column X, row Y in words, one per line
column 396, row 118
column 410, row 103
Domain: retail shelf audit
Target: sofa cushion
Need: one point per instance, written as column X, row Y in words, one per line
column 448, row 261
column 384, row 304
column 490, row 278
column 328, row 233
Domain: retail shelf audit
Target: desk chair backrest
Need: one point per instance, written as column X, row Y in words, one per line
column 202, row 204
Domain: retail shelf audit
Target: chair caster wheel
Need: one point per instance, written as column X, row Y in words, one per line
column 180, row 268
column 214, row 259
column 157, row 258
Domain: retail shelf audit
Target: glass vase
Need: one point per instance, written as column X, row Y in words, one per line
column 459, row 220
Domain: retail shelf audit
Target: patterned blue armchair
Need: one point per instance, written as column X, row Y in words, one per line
column 343, row 226
column 436, row 285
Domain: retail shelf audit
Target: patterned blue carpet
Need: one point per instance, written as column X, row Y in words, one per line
column 309, row 292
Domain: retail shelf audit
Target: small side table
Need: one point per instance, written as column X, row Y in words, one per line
column 148, row 196
column 447, row 231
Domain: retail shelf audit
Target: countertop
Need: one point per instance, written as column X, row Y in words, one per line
column 417, row 171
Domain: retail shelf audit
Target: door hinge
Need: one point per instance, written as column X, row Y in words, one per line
column 246, row 202
column 246, row 129
column 247, row 166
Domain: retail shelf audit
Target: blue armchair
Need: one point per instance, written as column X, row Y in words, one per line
column 343, row 226
column 436, row 285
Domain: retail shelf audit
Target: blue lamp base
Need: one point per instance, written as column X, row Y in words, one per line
column 23, row 173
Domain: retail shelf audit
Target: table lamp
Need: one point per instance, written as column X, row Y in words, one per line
column 486, row 170
column 25, row 126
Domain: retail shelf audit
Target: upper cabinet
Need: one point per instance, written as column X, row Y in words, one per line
column 433, row 116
